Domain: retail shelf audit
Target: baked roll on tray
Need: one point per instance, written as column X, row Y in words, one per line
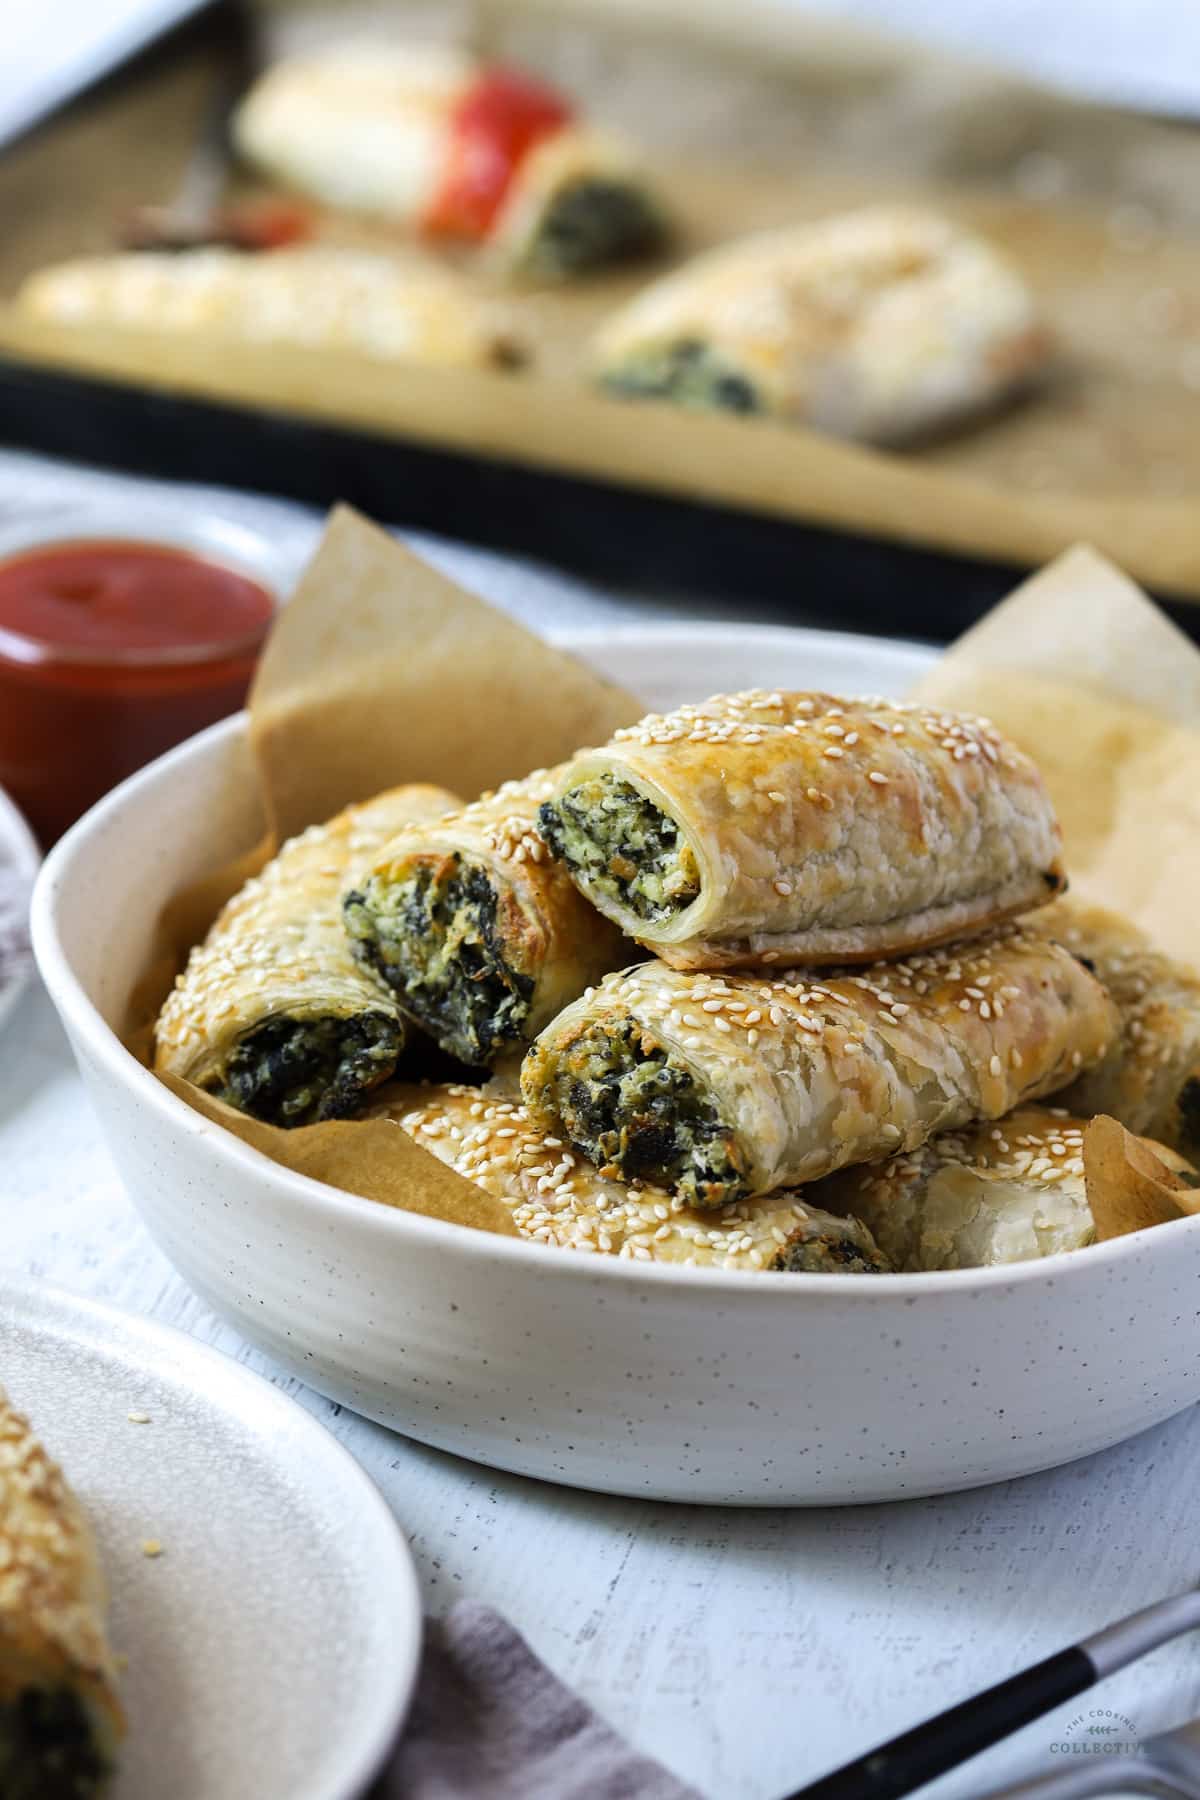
column 1150, row 1078
column 768, row 828
column 558, row 1199
column 482, row 937
column 1007, row 1192
column 318, row 297
column 451, row 149
column 60, row 1718
column 881, row 325
column 722, row 1086
column 272, row 1013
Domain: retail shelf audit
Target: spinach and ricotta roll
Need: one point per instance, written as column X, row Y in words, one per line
column 60, row 1717
column 317, row 297
column 556, row 1198
column 451, row 149
column 880, row 325
column 481, row 936
column 769, row 828
column 717, row 1087
column 1150, row 1079
column 272, row 1013
column 994, row 1193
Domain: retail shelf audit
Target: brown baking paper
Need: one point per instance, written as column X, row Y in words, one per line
column 381, row 671
column 753, row 116
column 1128, row 1187
column 1103, row 692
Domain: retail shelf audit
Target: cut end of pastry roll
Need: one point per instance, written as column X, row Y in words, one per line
column 880, row 325
column 319, row 297
column 452, row 941
column 580, row 201
column 427, row 137
column 493, row 1141
column 272, row 1014
column 60, row 1718
column 290, row 1071
column 718, row 1087
column 764, row 829
column 478, row 933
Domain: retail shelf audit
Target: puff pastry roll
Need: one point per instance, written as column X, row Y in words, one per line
column 452, row 149
column 771, row 828
column 1150, row 1079
column 878, row 325
column 1003, row 1193
column 479, row 933
column 60, row 1718
column 272, row 1012
column 318, row 297
column 722, row 1086
column 556, row 1199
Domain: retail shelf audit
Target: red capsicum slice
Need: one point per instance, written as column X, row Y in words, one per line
column 494, row 126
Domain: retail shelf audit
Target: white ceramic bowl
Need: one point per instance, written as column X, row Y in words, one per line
column 674, row 1383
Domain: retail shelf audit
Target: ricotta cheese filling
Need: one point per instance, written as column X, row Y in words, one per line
column 432, row 934
column 622, row 846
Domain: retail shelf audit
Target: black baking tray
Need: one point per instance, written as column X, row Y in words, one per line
column 754, row 564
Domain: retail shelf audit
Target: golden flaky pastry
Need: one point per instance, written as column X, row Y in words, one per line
column 272, row 1013
column 770, row 828
column 877, row 325
column 559, row 1199
column 60, row 1718
column 378, row 128
column 717, row 1086
column 1150, row 1079
column 482, row 936
column 316, row 297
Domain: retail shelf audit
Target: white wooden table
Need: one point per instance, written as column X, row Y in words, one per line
column 749, row 1651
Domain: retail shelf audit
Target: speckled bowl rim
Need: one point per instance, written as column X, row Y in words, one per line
column 357, row 1760
column 16, row 836
column 330, row 1205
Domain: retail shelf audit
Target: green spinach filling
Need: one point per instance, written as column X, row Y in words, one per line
column 591, row 222
column 630, row 1108
column 825, row 1254
column 620, row 844
column 433, row 936
column 689, row 372
column 302, row 1071
column 47, row 1748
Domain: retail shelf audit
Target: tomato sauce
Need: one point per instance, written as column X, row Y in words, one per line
column 110, row 653
column 493, row 128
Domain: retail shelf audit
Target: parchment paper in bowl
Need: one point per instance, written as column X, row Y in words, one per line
column 381, row 671
column 1103, row 692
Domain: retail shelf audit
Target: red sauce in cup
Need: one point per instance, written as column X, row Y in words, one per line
column 110, row 653
column 495, row 125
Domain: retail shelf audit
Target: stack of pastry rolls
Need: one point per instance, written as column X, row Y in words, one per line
column 858, row 988
column 775, row 981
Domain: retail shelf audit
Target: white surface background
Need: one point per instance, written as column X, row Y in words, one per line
column 750, row 1651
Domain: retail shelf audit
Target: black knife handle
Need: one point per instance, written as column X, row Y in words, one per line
column 909, row 1761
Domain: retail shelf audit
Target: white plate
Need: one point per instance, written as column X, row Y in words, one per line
column 19, row 859
column 272, row 1647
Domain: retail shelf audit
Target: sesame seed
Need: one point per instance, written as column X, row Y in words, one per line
column 782, row 887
